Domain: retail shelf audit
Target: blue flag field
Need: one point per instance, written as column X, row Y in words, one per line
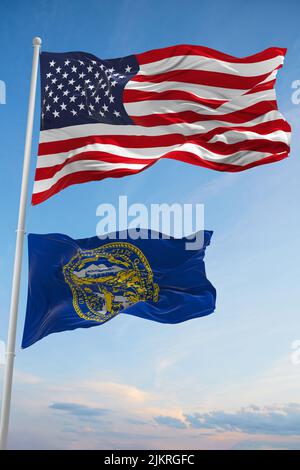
column 86, row 282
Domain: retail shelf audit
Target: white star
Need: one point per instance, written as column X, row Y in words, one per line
column 50, row 93
column 74, row 69
column 114, row 83
column 111, row 99
column 48, row 107
column 81, row 62
column 103, row 86
column 128, row 69
column 54, row 80
column 63, row 107
column 48, row 75
column 65, row 75
column 60, row 86
column 111, row 70
column 52, row 63
column 83, row 93
column 74, row 112
column 72, row 99
column 91, row 107
column 81, row 106
column 81, row 75
column 101, row 113
column 97, row 75
column 105, row 108
column 55, row 114
column 67, row 62
column 91, row 87
column 121, row 76
column 94, row 62
column 87, row 81
column 77, row 88
column 55, row 99
column 116, row 113
column 106, row 93
column 58, row 69
column 66, row 92
column 46, row 87
column 97, row 99
column 102, row 67
column 89, row 68
column 71, row 82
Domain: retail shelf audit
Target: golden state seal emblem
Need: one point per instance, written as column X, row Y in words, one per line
column 108, row 279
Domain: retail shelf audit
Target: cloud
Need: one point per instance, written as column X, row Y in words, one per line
column 281, row 420
column 78, row 410
column 25, row 378
column 170, row 422
column 266, row 445
column 125, row 392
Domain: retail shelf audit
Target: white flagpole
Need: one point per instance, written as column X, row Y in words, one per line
column 11, row 341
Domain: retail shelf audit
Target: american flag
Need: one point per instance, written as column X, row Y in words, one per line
column 112, row 118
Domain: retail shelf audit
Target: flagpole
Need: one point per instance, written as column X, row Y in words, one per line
column 11, row 341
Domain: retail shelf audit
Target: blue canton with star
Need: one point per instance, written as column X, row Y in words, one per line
column 79, row 88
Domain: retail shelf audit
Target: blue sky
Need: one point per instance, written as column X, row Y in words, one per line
column 223, row 381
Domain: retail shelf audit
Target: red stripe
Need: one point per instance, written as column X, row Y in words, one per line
column 187, row 157
column 82, row 177
column 262, row 87
column 188, row 49
column 240, row 116
column 251, row 145
column 50, row 171
column 132, row 96
column 203, row 77
column 221, row 148
column 49, row 148
column 134, row 141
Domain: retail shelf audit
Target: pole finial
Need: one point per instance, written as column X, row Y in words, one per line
column 37, row 41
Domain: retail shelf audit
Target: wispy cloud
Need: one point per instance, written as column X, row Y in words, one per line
column 79, row 410
column 170, row 422
column 280, row 420
column 267, row 445
column 125, row 392
column 25, row 378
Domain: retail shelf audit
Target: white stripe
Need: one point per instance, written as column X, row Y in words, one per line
column 83, row 165
column 238, row 158
column 202, row 91
column 45, row 161
column 86, row 130
column 270, row 77
column 232, row 137
column 143, row 108
column 241, row 158
column 195, row 62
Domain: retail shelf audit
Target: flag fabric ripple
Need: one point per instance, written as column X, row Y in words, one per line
column 83, row 283
column 112, row 118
